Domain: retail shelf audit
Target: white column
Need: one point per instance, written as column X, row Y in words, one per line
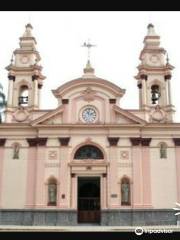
column 144, row 92
column 35, row 93
column 10, row 93
column 169, row 91
column 39, row 97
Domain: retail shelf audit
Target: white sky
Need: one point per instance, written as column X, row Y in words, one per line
column 119, row 39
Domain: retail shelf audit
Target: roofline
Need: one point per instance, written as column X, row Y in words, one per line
column 60, row 91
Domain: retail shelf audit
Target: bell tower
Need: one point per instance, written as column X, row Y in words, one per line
column 154, row 80
column 25, row 77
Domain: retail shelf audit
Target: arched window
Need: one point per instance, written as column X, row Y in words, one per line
column 23, row 95
column 155, row 94
column 88, row 152
column 163, row 150
column 125, row 191
column 52, row 192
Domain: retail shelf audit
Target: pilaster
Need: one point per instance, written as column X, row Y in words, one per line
column 177, row 156
column 2, row 150
column 113, row 174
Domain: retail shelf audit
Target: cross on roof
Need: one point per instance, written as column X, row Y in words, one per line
column 89, row 46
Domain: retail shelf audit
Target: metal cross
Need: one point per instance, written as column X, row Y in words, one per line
column 88, row 45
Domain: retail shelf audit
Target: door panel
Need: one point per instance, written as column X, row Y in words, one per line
column 89, row 200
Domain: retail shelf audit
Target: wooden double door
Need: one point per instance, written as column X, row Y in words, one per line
column 89, row 210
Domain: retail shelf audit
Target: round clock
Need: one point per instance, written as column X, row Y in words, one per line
column 24, row 59
column 154, row 59
column 89, row 115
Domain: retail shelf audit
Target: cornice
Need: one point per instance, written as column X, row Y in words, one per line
column 74, row 125
column 89, row 162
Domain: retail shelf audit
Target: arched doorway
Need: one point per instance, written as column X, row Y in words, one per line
column 89, row 186
column 88, row 199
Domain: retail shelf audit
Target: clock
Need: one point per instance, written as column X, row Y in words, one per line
column 24, row 59
column 154, row 60
column 89, row 114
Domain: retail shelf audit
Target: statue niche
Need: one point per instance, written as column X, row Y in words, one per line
column 52, row 192
column 125, row 191
column 16, row 151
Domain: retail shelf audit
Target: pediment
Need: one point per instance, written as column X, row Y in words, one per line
column 109, row 88
column 126, row 117
column 52, row 117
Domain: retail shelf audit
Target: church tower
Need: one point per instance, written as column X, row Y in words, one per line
column 25, row 77
column 154, row 80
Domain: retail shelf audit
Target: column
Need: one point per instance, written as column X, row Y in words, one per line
column 40, row 180
column 2, row 150
column 169, row 91
column 144, row 90
column 137, row 191
column 10, row 90
column 39, row 95
column 73, row 191
column 146, row 172
column 64, row 174
column 104, row 191
column 177, row 156
column 140, row 95
column 31, row 172
column 35, row 94
column 113, row 174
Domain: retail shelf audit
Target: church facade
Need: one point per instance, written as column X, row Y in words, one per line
column 89, row 160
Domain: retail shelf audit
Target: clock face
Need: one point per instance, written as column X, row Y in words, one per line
column 24, row 59
column 154, row 59
column 89, row 115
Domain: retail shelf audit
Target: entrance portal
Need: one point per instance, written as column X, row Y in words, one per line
column 88, row 199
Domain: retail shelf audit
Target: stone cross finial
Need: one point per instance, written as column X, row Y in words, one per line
column 89, row 46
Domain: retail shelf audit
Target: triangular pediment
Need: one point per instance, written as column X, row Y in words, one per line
column 126, row 117
column 52, row 117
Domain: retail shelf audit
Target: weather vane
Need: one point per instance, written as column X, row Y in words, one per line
column 167, row 59
column 89, row 46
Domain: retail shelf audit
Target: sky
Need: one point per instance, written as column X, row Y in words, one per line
column 118, row 36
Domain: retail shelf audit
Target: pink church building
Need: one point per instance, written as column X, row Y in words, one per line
column 88, row 160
